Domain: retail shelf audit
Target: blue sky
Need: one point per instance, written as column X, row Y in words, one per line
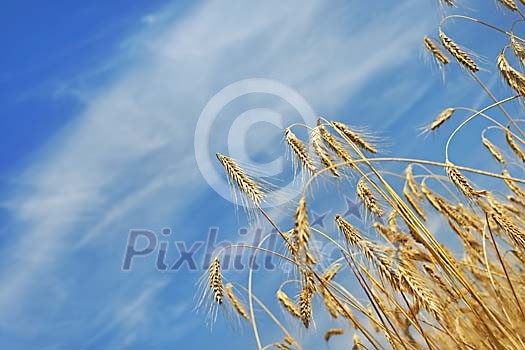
column 98, row 110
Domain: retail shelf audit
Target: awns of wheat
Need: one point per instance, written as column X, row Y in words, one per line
column 400, row 280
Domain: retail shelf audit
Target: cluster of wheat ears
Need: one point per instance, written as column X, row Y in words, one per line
column 416, row 292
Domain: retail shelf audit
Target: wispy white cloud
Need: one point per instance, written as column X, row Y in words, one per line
column 130, row 319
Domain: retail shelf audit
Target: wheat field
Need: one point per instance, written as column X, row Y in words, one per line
column 415, row 291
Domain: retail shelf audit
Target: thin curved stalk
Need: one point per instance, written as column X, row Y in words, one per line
column 466, row 121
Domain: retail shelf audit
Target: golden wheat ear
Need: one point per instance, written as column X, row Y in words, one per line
column 339, row 150
column 435, row 51
column 322, row 153
column 459, row 54
column 331, row 271
column 412, row 185
column 354, row 137
column 510, row 4
column 299, row 150
column 288, row 304
column 212, row 291
column 369, row 199
column 235, row 301
column 513, row 232
column 357, row 345
column 302, row 228
column 514, row 145
column 305, row 306
column 461, row 182
column 514, row 78
column 332, row 332
column 329, row 302
column 215, row 280
column 493, row 150
column 411, row 199
column 238, row 177
column 518, row 48
column 350, row 232
column 441, row 119
column 512, row 185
